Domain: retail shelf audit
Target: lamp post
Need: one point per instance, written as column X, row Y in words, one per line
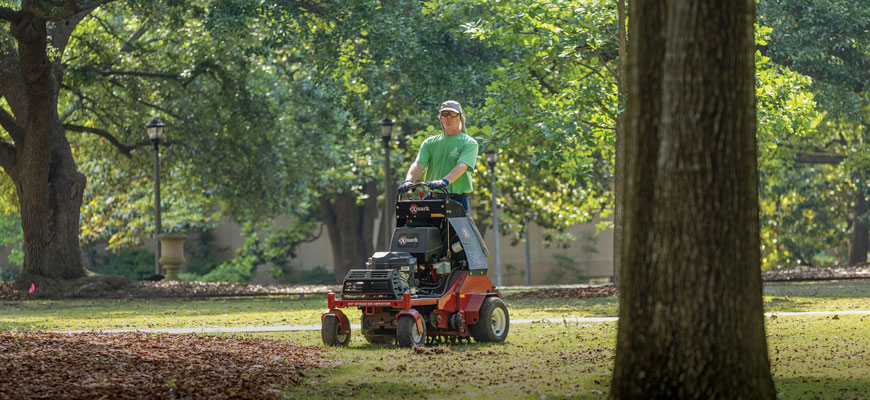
column 528, row 257
column 492, row 159
column 155, row 131
column 386, row 135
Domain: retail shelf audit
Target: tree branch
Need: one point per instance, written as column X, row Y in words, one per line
column 8, row 122
column 12, row 83
column 138, row 74
column 60, row 10
column 123, row 148
column 815, row 158
column 541, row 80
column 8, row 160
column 594, row 125
column 9, row 14
column 128, row 45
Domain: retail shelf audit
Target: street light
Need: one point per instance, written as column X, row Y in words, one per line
column 386, row 135
column 155, row 131
column 492, row 159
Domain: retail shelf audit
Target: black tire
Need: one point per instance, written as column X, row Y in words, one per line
column 329, row 332
column 373, row 338
column 406, row 333
column 493, row 321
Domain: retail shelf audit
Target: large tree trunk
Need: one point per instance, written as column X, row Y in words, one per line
column 350, row 227
column 48, row 185
column 691, row 321
column 858, row 246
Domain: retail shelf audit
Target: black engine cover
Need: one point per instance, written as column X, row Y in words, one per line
column 372, row 284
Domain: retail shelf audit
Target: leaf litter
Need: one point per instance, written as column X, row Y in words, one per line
column 142, row 365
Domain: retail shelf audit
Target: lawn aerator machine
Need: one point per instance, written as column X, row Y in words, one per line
column 431, row 287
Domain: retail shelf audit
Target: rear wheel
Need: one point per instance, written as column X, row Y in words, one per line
column 407, row 334
column 370, row 334
column 330, row 332
column 493, row 323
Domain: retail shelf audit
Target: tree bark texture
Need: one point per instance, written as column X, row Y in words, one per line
column 691, row 321
column 860, row 242
column 39, row 159
column 350, row 227
column 619, row 163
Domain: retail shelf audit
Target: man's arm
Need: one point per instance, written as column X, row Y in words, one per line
column 456, row 171
column 415, row 171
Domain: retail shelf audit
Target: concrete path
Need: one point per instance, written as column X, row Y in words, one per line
column 286, row 328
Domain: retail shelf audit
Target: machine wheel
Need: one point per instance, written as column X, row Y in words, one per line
column 329, row 332
column 407, row 334
column 370, row 337
column 493, row 323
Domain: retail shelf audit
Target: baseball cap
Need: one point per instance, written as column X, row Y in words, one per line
column 451, row 105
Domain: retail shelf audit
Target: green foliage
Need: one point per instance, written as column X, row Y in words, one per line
column 201, row 261
column 825, row 39
column 805, row 208
column 803, row 221
column 567, row 270
column 263, row 245
column 550, row 108
column 136, row 264
column 318, row 275
column 10, row 238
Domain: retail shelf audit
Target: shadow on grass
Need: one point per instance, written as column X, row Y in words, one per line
column 822, row 289
column 785, row 304
column 317, row 386
column 822, row 388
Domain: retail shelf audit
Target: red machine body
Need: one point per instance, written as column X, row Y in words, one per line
column 431, row 287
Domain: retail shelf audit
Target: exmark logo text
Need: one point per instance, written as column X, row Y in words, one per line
column 415, row 209
column 403, row 240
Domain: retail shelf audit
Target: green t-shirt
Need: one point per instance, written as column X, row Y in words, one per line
column 441, row 153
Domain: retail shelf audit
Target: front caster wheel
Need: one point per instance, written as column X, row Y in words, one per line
column 330, row 332
column 493, row 324
column 407, row 334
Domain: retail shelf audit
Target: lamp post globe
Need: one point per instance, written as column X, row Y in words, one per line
column 154, row 129
column 386, row 129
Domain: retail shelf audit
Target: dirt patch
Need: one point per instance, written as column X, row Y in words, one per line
column 135, row 366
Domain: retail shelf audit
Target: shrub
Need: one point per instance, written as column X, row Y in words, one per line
column 136, row 264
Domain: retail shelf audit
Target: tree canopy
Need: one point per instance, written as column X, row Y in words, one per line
column 272, row 108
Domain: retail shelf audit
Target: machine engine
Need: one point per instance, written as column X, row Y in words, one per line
column 390, row 274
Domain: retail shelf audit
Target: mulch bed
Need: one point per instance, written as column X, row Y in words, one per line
column 566, row 293
column 136, row 366
column 213, row 289
column 171, row 289
column 816, row 273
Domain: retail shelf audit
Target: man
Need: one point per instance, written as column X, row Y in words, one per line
column 448, row 158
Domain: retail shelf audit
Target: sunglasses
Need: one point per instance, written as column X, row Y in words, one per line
column 449, row 114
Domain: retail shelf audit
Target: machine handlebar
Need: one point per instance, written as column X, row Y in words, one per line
column 422, row 184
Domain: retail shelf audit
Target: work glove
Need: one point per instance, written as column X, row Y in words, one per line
column 439, row 184
column 405, row 186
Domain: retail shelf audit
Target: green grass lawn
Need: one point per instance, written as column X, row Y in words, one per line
column 812, row 356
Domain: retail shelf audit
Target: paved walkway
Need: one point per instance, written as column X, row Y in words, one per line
column 293, row 328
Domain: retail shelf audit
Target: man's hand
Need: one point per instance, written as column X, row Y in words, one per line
column 405, row 186
column 439, row 184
